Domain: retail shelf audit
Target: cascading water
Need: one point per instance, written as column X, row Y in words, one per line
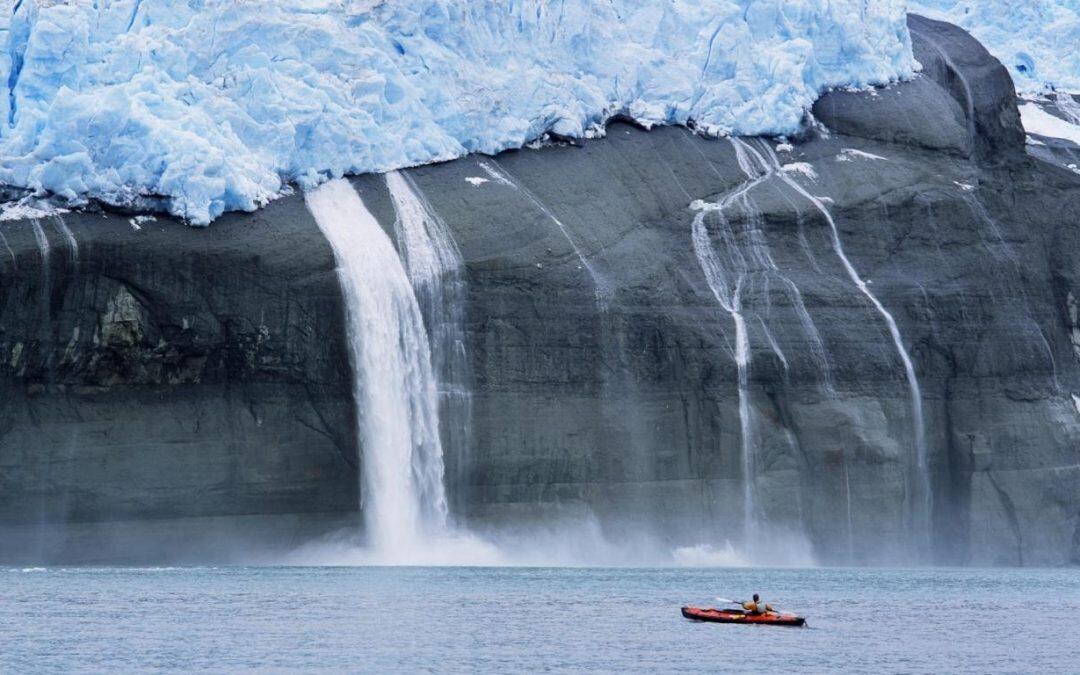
column 402, row 490
column 42, row 244
column 435, row 266
column 969, row 99
column 726, row 283
column 746, row 261
column 847, row 506
column 44, row 250
column 919, row 504
column 499, row 175
column 69, row 236
column 1009, row 276
column 756, row 175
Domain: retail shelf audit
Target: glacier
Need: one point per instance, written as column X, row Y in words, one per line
column 1036, row 39
column 199, row 107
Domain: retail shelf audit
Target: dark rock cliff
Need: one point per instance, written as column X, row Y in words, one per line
column 166, row 390
column 151, row 371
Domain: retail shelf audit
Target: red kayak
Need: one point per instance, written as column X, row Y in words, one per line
column 737, row 616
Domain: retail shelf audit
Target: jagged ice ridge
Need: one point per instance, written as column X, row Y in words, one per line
column 201, row 107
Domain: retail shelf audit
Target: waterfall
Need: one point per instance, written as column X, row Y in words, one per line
column 500, row 176
column 919, row 494
column 847, row 504
column 756, row 175
column 726, row 283
column 402, row 492
column 44, row 250
column 747, row 260
column 11, row 253
column 69, row 236
column 42, row 242
column 969, row 99
column 435, row 269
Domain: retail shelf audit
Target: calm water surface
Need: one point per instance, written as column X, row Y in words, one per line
column 507, row 619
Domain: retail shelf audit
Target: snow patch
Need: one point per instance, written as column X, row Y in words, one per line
column 476, row 181
column 205, row 107
column 804, row 168
column 1038, row 121
column 138, row 221
column 965, row 187
column 848, row 154
column 25, row 210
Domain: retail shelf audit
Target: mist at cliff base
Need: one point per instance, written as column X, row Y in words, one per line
column 567, row 542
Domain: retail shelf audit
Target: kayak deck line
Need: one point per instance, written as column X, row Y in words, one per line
column 736, row 616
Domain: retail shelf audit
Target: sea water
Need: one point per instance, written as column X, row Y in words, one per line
column 386, row 619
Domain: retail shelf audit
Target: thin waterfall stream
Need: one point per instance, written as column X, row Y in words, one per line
column 747, row 260
column 919, row 494
column 497, row 173
column 435, row 270
column 728, row 292
column 747, row 257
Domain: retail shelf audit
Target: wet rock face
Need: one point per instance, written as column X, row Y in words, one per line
column 977, row 81
column 176, row 373
column 164, row 372
column 962, row 103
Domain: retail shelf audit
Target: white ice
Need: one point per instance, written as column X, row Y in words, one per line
column 1038, row 121
column 1035, row 39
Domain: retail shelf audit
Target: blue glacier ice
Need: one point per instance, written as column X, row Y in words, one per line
column 1038, row 40
column 206, row 106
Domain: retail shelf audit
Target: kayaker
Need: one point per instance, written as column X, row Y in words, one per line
column 756, row 606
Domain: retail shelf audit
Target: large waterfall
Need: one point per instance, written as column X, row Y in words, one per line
column 402, row 490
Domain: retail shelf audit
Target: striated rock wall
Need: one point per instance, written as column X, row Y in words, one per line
column 150, row 371
column 201, row 375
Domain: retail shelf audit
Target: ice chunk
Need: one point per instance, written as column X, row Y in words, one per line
column 205, row 107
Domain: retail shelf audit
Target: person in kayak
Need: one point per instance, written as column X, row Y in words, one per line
column 756, row 606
